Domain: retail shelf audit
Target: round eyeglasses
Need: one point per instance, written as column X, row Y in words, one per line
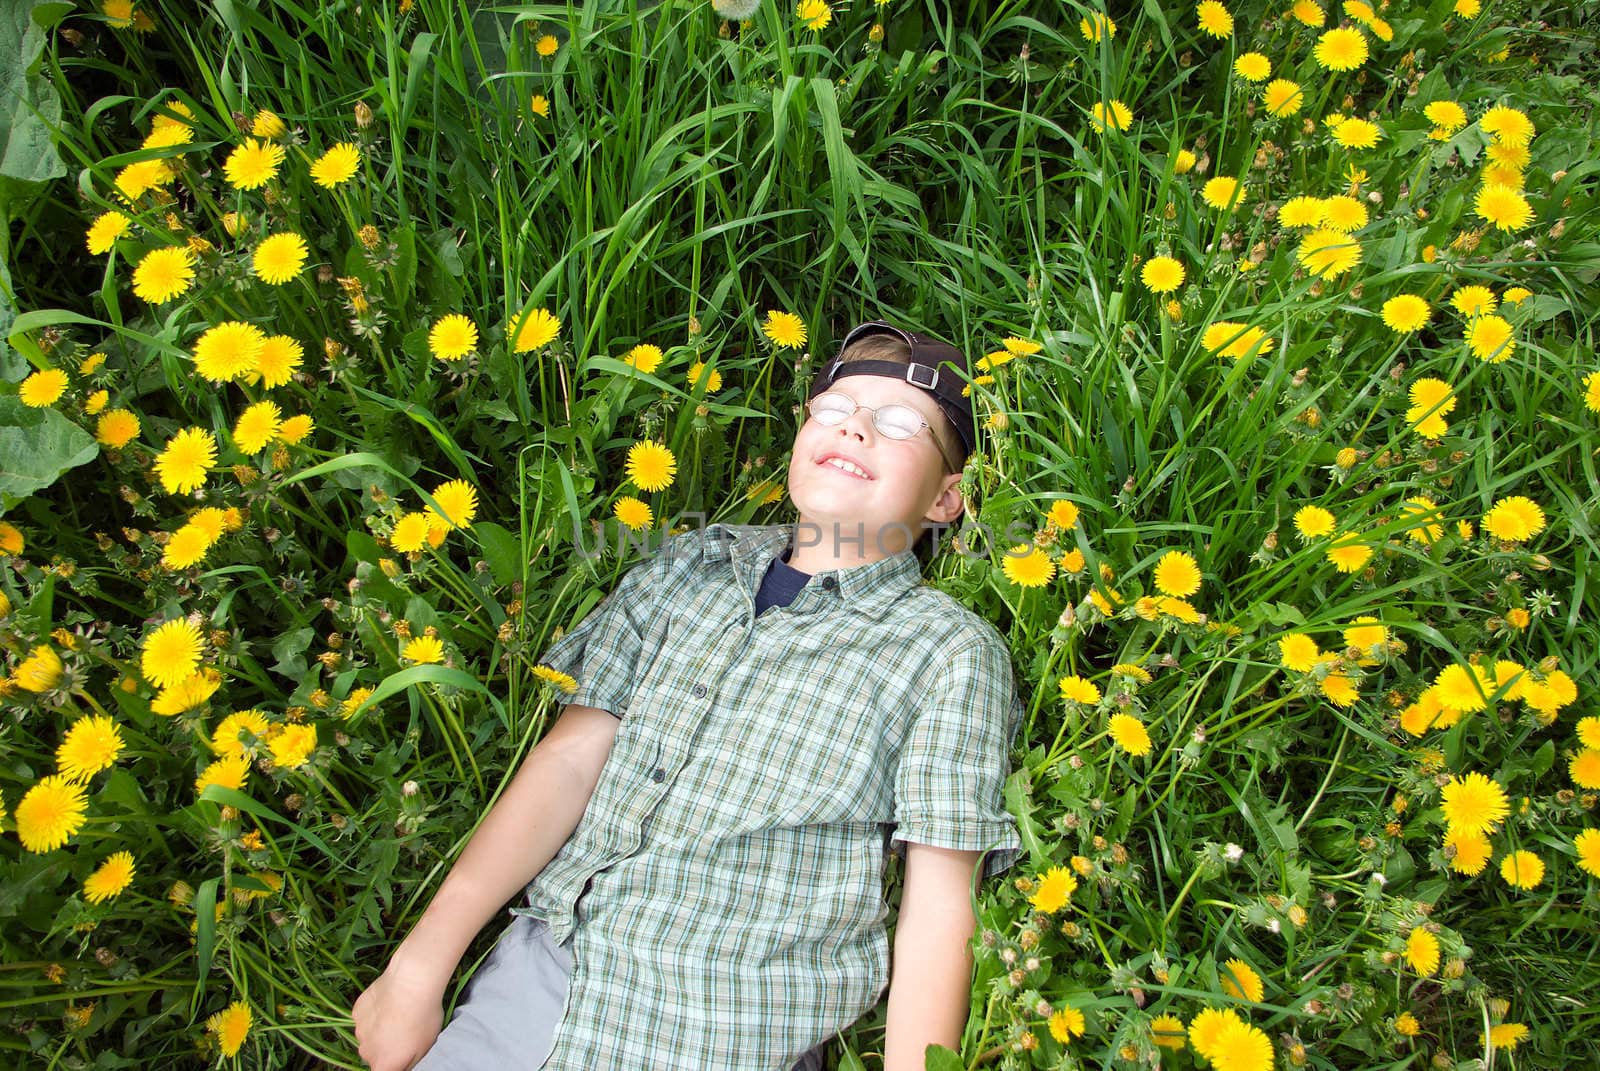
column 893, row 421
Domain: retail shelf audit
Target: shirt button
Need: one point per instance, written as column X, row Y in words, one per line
column 829, row 583
column 658, row 775
column 699, row 691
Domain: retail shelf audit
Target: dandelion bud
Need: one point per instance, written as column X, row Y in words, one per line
column 294, row 801
column 1028, row 1042
column 1031, row 964
column 1008, row 956
column 363, row 115
column 409, row 789
column 990, row 938
column 1076, row 762
column 875, row 35
column 1017, row 977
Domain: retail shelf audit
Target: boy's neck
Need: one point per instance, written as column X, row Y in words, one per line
column 820, row 546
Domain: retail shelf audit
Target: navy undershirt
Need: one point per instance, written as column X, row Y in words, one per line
column 781, row 584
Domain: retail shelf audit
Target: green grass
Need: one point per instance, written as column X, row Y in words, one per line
column 690, row 177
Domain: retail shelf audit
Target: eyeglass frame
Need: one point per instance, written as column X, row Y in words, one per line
column 874, row 409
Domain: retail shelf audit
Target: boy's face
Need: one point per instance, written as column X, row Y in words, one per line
column 904, row 486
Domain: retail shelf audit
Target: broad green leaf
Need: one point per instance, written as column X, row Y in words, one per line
column 36, row 447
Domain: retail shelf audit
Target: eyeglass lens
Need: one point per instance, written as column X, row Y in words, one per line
column 895, row 421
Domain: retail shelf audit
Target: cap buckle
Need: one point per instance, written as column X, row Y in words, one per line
column 911, row 376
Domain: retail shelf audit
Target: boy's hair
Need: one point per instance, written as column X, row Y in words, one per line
column 885, row 347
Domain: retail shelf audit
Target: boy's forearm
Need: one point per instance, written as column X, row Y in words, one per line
column 519, row 836
column 930, row 994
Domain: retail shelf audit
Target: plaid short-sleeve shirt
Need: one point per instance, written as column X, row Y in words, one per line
column 724, row 888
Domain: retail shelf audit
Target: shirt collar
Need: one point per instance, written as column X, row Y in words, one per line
column 869, row 589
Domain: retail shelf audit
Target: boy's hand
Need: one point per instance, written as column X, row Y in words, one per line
column 397, row 1019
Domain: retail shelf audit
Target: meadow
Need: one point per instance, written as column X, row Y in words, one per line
column 337, row 336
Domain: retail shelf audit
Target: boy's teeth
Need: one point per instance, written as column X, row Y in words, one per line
column 841, row 463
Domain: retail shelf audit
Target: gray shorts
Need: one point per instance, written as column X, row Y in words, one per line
column 507, row 1018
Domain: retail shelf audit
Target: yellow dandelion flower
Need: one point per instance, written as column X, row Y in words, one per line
column 336, row 166
column 1514, row 519
column 185, row 547
column 135, row 180
column 267, row 124
column 163, row 274
column 1405, row 313
column 257, row 427
column 182, row 465
column 1235, row 340
column 1502, row 206
column 1313, row 522
column 562, row 682
column 91, row 745
column 1301, row 212
column 458, row 504
column 1027, row 566
column 1588, row 730
column 1067, row 1023
column 1342, row 49
column 784, row 329
column 1309, row 13
column 1177, row 574
column 1587, row 845
column 1167, row 1031
column 1223, row 192
column 1327, row 253
column 1240, row 1046
column 187, row 694
column 1063, row 513
column 1183, row 162
column 1522, row 870
column 632, row 513
column 352, row 702
column 1344, row 214
column 1447, row 115
column 424, row 650
column 231, row 1026
column 1283, row 97
column 240, row 734
column 1508, row 126
column 1469, row 851
column 295, row 428
column 1129, row 733
column 1472, row 301
column 410, row 533
column 536, row 330
column 110, row 879
column 816, row 14
column 1357, row 134
column 539, row 105
column 105, row 230
column 713, row 380
column 1241, row 982
column 1206, row 1028
column 253, row 164
column 1072, row 562
column 452, row 337
column 1505, row 1035
column 279, row 258
column 1422, row 952
column 1113, row 114
column 1162, row 275
column 1054, row 890
column 1584, row 768
column 292, row 745
column 170, row 653
column 1253, row 67
column 1348, row 553
column 1214, row 19
column 277, row 361
column 1422, row 513
column 651, row 466
column 228, row 351
column 1473, row 804
column 50, row 813
column 42, row 388
column 645, row 357
column 1075, row 689
column 1097, row 27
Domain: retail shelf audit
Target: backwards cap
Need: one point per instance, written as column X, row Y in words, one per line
column 936, row 368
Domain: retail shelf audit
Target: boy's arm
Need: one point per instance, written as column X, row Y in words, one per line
column 930, row 991
column 400, row 1014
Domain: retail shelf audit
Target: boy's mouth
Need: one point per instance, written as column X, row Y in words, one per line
column 845, row 465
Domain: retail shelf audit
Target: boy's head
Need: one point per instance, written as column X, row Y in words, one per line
column 887, row 435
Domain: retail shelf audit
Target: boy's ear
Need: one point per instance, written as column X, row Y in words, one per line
column 949, row 504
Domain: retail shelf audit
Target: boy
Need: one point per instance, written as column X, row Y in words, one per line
column 702, row 833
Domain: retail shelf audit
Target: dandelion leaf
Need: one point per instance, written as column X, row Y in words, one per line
column 290, row 650
column 939, row 1058
column 29, row 106
column 501, row 549
column 36, row 447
